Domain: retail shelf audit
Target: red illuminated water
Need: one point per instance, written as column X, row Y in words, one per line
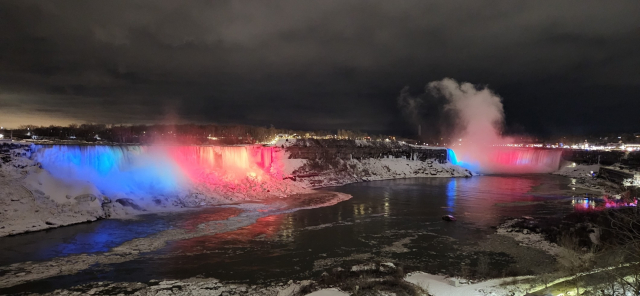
column 509, row 160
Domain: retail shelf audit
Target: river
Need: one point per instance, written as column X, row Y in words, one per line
column 394, row 220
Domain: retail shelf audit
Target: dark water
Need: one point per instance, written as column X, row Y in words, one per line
column 398, row 220
column 97, row 237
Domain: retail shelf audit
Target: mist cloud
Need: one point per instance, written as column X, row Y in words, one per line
column 477, row 136
column 479, row 114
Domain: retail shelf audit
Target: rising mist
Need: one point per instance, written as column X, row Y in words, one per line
column 476, row 123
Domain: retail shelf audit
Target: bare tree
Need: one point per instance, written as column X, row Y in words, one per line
column 624, row 228
column 574, row 259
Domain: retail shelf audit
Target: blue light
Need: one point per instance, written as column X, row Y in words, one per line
column 451, row 156
column 113, row 169
column 451, row 195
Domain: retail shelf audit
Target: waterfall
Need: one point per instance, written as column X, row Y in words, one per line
column 507, row 160
column 546, row 158
column 155, row 170
column 451, row 156
column 112, row 169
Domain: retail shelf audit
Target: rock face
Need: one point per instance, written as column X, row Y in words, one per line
column 320, row 163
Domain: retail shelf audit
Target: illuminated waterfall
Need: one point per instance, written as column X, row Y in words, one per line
column 157, row 170
column 507, row 160
column 451, row 156
column 544, row 158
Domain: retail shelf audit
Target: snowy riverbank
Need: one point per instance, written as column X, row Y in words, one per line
column 583, row 176
column 381, row 279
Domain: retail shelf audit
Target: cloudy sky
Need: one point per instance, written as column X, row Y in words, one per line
column 560, row 66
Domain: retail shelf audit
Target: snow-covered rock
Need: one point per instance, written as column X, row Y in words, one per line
column 373, row 169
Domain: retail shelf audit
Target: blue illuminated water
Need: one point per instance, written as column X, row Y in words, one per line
column 92, row 237
column 451, row 156
column 129, row 170
column 98, row 236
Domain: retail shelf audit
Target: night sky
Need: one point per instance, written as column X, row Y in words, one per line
column 560, row 66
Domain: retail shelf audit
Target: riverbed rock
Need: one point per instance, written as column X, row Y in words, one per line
column 127, row 202
column 85, row 197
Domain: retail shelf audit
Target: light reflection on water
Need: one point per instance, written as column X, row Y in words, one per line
column 100, row 236
column 451, row 196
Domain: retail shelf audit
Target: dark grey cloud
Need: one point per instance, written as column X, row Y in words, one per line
column 316, row 64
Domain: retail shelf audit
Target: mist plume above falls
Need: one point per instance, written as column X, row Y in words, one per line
column 476, row 124
column 478, row 112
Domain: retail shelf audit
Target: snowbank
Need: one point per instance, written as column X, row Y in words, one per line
column 437, row 285
column 31, row 199
column 328, row 292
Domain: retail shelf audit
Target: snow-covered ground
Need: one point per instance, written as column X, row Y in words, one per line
column 437, row 285
column 352, row 171
column 578, row 170
column 31, row 199
column 582, row 177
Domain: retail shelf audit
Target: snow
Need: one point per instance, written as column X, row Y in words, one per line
column 529, row 239
column 284, row 142
column 578, row 171
column 291, row 165
column 328, row 292
column 352, row 171
column 31, row 199
column 437, row 285
column 582, row 178
column 58, row 190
